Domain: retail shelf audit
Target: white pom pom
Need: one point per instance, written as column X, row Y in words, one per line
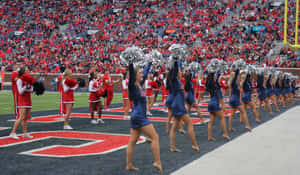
column 234, row 66
column 131, row 54
column 241, row 64
column 178, row 51
column 223, row 66
column 156, row 56
column 250, row 69
column 195, row 67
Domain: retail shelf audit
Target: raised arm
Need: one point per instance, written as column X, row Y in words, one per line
column 131, row 81
column 175, row 71
column 145, row 72
column 235, row 77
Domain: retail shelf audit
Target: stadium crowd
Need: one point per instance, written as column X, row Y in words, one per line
column 46, row 34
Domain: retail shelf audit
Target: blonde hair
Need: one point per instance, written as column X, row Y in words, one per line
column 231, row 76
column 243, row 78
column 67, row 73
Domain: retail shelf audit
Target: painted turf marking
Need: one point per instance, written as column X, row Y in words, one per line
column 101, row 143
column 57, row 118
column 4, row 128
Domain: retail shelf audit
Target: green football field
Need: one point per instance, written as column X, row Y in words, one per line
column 48, row 101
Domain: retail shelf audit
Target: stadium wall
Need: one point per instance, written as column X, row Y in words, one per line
column 51, row 76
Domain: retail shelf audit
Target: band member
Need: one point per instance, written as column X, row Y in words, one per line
column 24, row 89
column 139, row 122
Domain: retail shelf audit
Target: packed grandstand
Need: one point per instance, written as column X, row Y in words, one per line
column 47, row 34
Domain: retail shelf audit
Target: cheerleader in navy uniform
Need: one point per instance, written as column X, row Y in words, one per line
column 270, row 92
column 69, row 85
column 169, row 101
column 247, row 89
column 277, row 88
column 94, row 99
column 24, row 105
column 189, row 97
column 214, row 107
column 235, row 102
column 139, row 122
column 262, row 96
column 178, row 110
column 293, row 89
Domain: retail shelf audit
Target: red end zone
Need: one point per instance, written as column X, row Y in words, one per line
column 99, row 143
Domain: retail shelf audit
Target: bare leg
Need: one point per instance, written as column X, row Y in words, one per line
column 273, row 99
column 220, row 115
column 210, row 125
column 259, row 107
column 93, row 105
column 268, row 106
column 223, row 106
column 198, row 112
column 150, row 131
column 233, row 110
column 169, row 120
column 22, row 113
column 69, row 110
column 172, row 135
column 191, row 133
column 134, row 136
column 245, row 118
column 253, row 107
column 126, row 107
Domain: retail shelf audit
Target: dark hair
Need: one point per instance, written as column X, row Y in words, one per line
column 210, row 85
column 187, row 77
column 91, row 77
column 169, row 79
column 21, row 71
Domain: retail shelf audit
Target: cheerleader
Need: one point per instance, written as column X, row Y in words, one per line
column 108, row 86
column 94, row 99
column 214, row 107
column 169, row 102
column 156, row 86
column 262, row 94
column 224, row 87
column 149, row 93
column 277, row 90
column 62, row 106
column 270, row 92
column 14, row 78
column 68, row 85
column 126, row 101
column 24, row 89
column 139, row 122
column 165, row 92
column 189, row 97
column 201, row 88
column 179, row 111
column 293, row 90
column 247, row 89
column 234, row 101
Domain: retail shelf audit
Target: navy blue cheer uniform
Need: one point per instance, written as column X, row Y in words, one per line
column 170, row 98
column 235, row 92
column 260, row 88
column 247, row 88
column 269, row 90
column 189, row 97
column 213, row 105
column 286, row 86
column 138, row 96
column 277, row 87
column 178, row 107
